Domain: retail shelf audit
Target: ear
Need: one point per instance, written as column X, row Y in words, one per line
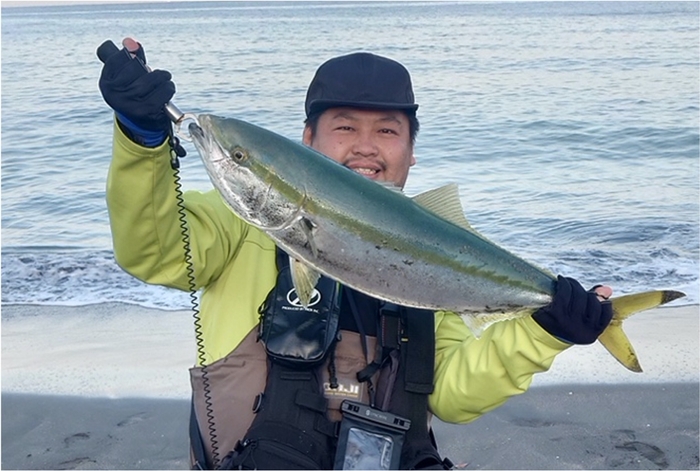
column 308, row 136
column 413, row 159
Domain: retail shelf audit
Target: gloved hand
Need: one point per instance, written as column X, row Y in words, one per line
column 574, row 315
column 137, row 94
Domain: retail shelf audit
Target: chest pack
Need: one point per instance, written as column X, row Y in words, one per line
column 292, row 428
column 297, row 336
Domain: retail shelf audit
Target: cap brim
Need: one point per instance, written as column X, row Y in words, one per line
column 318, row 106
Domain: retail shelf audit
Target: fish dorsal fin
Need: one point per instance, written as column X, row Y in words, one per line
column 444, row 201
column 304, row 279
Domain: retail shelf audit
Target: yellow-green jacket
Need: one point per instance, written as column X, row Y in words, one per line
column 235, row 268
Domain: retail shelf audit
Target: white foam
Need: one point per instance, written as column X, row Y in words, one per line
column 113, row 350
column 102, row 350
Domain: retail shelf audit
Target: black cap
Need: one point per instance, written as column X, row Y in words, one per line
column 360, row 80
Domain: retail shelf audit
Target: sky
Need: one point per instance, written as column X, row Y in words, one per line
column 66, row 2
column 27, row 3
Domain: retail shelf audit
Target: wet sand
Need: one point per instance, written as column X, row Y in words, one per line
column 550, row 427
column 105, row 387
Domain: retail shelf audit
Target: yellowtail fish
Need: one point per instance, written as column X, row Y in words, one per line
column 418, row 252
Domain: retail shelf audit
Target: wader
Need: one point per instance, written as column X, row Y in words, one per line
column 275, row 402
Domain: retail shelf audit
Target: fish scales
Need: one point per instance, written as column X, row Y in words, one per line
column 418, row 252
column 369, row 237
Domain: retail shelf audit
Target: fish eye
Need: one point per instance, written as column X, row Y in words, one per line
column 239, row 155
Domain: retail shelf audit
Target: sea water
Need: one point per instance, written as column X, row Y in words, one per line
column 570, row 128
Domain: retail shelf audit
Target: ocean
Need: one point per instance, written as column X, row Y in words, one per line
column 571, row 128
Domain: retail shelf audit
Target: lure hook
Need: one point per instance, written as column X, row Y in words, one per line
column 182, row 133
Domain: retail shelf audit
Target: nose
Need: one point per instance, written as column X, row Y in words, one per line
column 365, row 144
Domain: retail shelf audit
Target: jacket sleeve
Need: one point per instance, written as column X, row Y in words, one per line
column 146, row 224
column 474, row 376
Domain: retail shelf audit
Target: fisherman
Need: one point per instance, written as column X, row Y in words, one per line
column 370, row 374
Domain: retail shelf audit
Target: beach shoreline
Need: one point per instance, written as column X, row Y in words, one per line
column 106, row 386
column 125, row 350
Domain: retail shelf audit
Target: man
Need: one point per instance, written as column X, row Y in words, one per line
column 254, row 404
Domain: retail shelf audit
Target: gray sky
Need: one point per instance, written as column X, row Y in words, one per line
column 72, row 2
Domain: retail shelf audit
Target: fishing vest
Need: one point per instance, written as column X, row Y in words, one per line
column 275, row 401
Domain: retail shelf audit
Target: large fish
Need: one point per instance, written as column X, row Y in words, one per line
column 418, row 252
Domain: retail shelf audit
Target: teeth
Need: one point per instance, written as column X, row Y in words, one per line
column 365, row 171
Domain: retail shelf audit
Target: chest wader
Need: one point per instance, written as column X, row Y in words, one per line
column 405, row 358
column 291, row 429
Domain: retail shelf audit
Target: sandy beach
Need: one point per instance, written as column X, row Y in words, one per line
column 117, row 398
column 549, row 427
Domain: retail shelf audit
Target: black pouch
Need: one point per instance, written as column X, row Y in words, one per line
column 292, row 334
column 369, row 438
column 275, row 451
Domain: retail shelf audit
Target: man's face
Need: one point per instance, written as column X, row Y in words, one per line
column 375, row 144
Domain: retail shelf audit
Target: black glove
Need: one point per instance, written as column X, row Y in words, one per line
column 574, row 315
column 138, row 96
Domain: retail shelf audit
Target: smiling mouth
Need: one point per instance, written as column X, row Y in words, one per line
column 368, row 172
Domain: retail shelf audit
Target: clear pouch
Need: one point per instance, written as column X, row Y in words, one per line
column 369, row 438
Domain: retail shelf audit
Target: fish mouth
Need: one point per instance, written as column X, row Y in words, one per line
column 196, row 132
column 205, row 143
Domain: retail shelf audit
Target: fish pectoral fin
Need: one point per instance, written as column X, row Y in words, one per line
column 304, row 279
column 614, row 338
column 307, row 227
column 444, row 201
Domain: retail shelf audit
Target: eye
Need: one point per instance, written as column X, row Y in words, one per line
column 239, row 155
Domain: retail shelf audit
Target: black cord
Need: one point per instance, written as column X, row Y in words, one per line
column 177, row 151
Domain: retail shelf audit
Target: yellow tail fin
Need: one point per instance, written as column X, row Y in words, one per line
column 614, row 339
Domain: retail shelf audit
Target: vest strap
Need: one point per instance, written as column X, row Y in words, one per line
column 199, row 457
column 420, row 353
column 311, row 401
